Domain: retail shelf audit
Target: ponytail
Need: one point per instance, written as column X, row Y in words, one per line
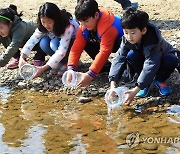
column 14, row 9
column 66, row 14
column 7, row 14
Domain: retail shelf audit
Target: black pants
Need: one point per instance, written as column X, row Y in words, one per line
column 40, row 54
column 92, row 49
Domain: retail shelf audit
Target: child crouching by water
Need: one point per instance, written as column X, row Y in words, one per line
column 148, row 53
column 56, row 32
column 14, row 32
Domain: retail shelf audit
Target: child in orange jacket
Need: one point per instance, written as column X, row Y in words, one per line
column 99, row 34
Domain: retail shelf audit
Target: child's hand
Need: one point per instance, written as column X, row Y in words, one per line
column 85, row 80
column 40, row 70
column 129, row 97
column 130, row 94
column 21, row 62
column 69, row 77
column 112, row 93
column 79, row 77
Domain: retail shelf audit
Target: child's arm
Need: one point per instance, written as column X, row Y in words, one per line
column 59, row 54
column 112, row 84
column 118, row 63
column 7, row 55
column 22, row 60
column 76, row 50
column 33, row 40
column 16, row 42
column 62, row 49
column 130, row 94
column 106, row 47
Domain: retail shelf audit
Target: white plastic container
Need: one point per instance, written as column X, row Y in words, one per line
column 75, row 79
column 115, row 97
column 27, row 71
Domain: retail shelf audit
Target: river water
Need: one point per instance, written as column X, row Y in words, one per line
column 38, row 123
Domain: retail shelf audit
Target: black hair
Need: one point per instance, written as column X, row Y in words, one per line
column 60, row 17
column 85, row 9
column 7, row 14
column 133, row 18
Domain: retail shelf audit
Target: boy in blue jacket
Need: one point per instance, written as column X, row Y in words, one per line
column 144, row 49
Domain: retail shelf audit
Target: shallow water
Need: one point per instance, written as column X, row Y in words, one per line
column 32, row 122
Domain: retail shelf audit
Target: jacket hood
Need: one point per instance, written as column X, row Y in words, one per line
column 153, row 36
column 16, row 22
column 106, row 19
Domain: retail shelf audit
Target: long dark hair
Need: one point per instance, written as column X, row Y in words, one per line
column 7, row 14
column 60, row 17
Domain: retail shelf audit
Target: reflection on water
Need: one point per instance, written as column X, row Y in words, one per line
column 33, row 144
column 47, row 123
column 171, row 150
column 174, row 113
column 4, row 94
column 146, row 108
column 80, row 147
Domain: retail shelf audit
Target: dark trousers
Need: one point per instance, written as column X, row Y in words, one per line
column 168, row 63
column 92, row 49
column 17, row 54
column 40, row 54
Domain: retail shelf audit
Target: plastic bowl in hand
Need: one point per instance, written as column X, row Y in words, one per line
column 27, row 71
column 75, row 79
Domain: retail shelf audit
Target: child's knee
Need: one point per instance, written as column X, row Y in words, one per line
column 170, row 60
column 54, row 44
column 44, row 42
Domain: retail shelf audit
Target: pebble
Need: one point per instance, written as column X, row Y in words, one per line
column 84, row 99
column 21, row 84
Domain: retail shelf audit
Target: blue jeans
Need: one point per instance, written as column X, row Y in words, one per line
column 168, row 63
column 49, row 46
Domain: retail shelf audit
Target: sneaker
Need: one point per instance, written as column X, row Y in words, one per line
column 38, row 63
column 143, row 93
column 13, row 64
column 135, row 4
column 164, row 90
